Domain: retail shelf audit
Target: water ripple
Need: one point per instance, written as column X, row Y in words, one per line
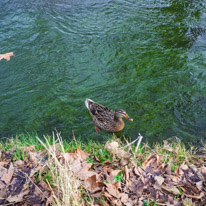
column 146, row 57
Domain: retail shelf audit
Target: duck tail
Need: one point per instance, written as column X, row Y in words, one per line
column 87, row 101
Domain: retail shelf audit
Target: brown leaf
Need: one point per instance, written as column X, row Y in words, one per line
column 2, row 171
column 114, row 172
column 125, row 159
column 3, row 164
column 76, row 165
column 92, row 185
column 17, row 198
column 173, row 190
column 197, row 161
column 54, row 149
column 158, row 182
column 69, row 157
column 28, row 149
column 109, row 178
column 172, row 178
column 105, row 162
column 2, row 185
column 184, row 167
column 168, row 169
column 114, row 202
column 19, row 163
column 84, row 172
column 6, row 177
column 147, row 161
column 111, row 189
column 49, row 200
column 103, row 203
column 199, row 185
column 110, row 171
column 112, row 146
column 200, row 196
column 117, row 185
column 124, row 197
column 6, row 56
column 45, row 186
column 126, row 174
column 167, row 147
column 81, row 153
column 33, row 158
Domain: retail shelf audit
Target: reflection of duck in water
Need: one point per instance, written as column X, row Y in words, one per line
column 105, row 118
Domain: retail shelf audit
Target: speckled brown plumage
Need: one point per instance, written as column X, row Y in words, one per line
column 105, row 118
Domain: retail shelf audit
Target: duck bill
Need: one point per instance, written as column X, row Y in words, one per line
column 128, row 118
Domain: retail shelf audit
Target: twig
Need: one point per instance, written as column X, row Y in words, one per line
column 128, row 144
column 26, row 175
column 74, row 137
column 130, row 148
column 138, row 143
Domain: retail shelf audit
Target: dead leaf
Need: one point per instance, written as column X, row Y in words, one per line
column 158, row 182
column 197, row 161
column 124, row 197
column 117, row 185
column 17, row 198
column 82, row 154
column 147, row 161
column 103, row 203
column 6, row 177
column 126, row 173
column 28, row 149
column 167, row 147
column 2, row 171
column 111, row 189
column 69, row 157
column 54, row 149
column 111, row 146
column 92, row 185
column 2, row 185
column 173, row 190
column 199, row 185
column 184, row 167
column 125, row 159
column 33, row 158
column 6, row 56
column 196, row 197
column 3, row 164
column 105, row 162
column 84, row 172
column 19, row 163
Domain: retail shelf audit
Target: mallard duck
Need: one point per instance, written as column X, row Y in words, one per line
column 105, row 118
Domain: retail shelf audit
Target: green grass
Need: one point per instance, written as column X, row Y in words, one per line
column 119, row 177
column 97, row 151
column 20, row 141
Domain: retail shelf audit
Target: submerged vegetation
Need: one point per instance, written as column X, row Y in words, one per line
column 50, row 171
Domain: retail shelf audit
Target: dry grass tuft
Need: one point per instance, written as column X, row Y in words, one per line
column 66, row 188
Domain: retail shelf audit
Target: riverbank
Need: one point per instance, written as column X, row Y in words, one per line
column 51, row 171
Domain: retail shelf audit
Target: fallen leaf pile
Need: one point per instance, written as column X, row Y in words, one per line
column 18, row 185
column 154, row 180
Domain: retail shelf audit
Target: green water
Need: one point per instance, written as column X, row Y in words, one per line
column 147, row 57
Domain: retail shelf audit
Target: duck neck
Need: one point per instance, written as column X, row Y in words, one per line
column 118, row 123
column 117, row 119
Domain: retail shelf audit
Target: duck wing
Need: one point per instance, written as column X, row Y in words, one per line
column 99, row 113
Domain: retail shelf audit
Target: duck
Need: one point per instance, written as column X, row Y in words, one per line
column 106, row 119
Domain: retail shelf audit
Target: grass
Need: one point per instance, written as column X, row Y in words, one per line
column 67, row 190
column 179, row 155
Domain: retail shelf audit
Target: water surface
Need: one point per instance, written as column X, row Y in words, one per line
column 147, row 57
